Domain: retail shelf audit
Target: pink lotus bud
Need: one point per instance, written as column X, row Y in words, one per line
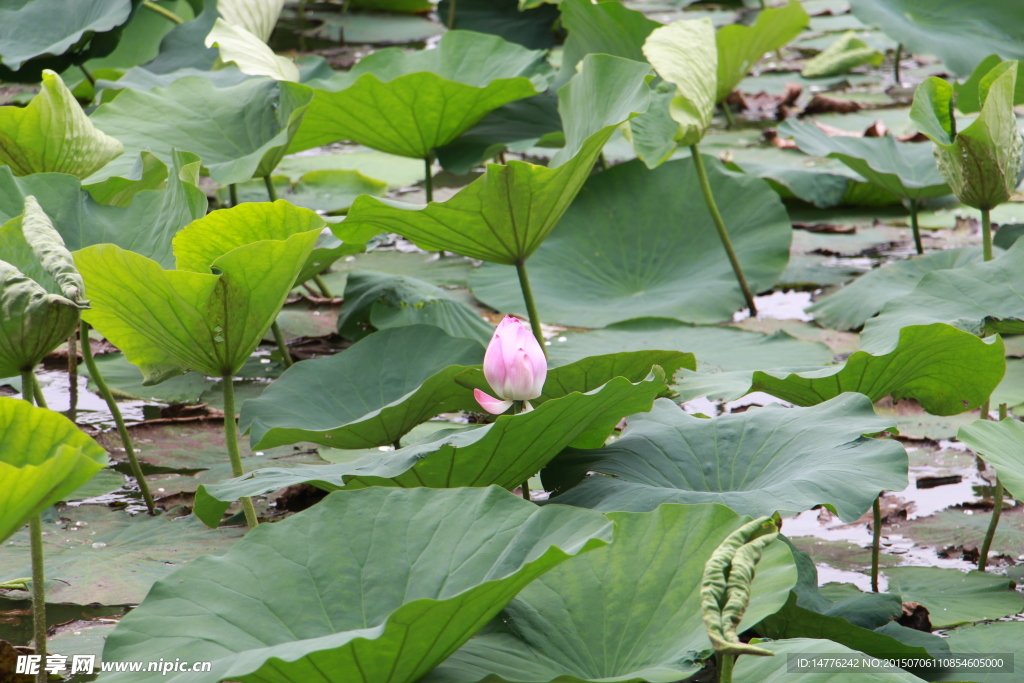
column 514, row 366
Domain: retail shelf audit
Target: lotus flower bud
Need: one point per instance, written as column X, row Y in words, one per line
column 514, row 367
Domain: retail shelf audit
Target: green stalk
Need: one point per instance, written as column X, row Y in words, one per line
column 233, row 192
column 37, row 391
column 986, row 234
column 709, row 199
column 165, row 13
column 115, row 412
column 451, row 14
column 428, row 182
column 35, row 530
column 531, row 305
column 896, row 62
column 730, row 122
column 913, row 224
column 231, row 436
column 28, row 386
column 323, row 287
column 997, row 510
column 876, row 540
column 286, row 356
column 526, row 490
column 88, row 76
column 271, row 190
column 73, row 376
column 725, row 664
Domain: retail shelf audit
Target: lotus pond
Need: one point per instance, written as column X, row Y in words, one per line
column 511, row 341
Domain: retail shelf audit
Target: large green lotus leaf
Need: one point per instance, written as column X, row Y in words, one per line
column 684, row 54
column 981, row 163
column 601, row 618
column 98, row 555
column 960, row 32
column 507, row 213
column 670, row 263
column 53, row 135
column 1000, row 444
column 535, row 28
column 170, row 321
column 411, row 103
column 955, row 597
column 52, row 34
column 716, row 348
column 980, row 297
column 764, row 460
column 147, row 225
column 740, row 47
column 1003, row 636
column 777, row 669
column 147, row 173
column 445, row 562
column 852, row 306
column 381, row 300
column 369, row 395
column 505, row 453
column 904, row 168
column 946, row 370
column 607, row 27
column 968, row 93
column 249, row 53
column 862, row 621
column 240, row 131
column 43, row 459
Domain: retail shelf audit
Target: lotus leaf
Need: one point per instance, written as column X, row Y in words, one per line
column 147, row 225
column 740, row 47
column 960, row 32
column 1001, row 445
column 505, row 453
column 240, row 131
column 980, row 298
column 53, row 135
column 848, row 52
column 684, row 54
column 946, row 370
column 370, row 395
column 607, row 27
column 507, row 213
column 402, row 103
column 978, row 640
column 329, row 191
column 256, row 16
column 148, row 173
column 43, row 459
column 968, row 92
column 379, row 301
column 766, row 460
column 51, row 34
column 670, row 263
column 981, row 163
column 776, row 669
column 456, row 557
column 534, row 28
column 954, row 597
column 852, row 306
column 209, row 314
column 251, row 55
column 599, row 619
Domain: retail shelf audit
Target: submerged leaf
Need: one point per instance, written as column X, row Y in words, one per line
column 53, row 135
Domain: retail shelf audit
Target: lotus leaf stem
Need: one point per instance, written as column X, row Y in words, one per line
column 428, row 180
column 35, row 531
column 451, row 14
column 725, row 666
column 986, row 234
column 914, row 226
column 896, row 63
column 165, row 13
column 28, row 387
column 271, row 190
column 233, row 192
column 531, row 305
column 73, row 376
column 88, row 76
column 997, row 509
column 286, row 356
column 115, row 412
column 231, row 437
column 723, row 234
column 730, row 121
column 322, row 286
column 525, row 488
column 37, row 391
column 876, row 539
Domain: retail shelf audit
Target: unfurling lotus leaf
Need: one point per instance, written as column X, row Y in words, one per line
column 256, row 16
column 53, row 135
column 507, row 213
column 40, row 290
column 684, row 54
column 981, row 163
column 411, row 103
column 235, row 268
column 43, row 458
column 251, row 55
